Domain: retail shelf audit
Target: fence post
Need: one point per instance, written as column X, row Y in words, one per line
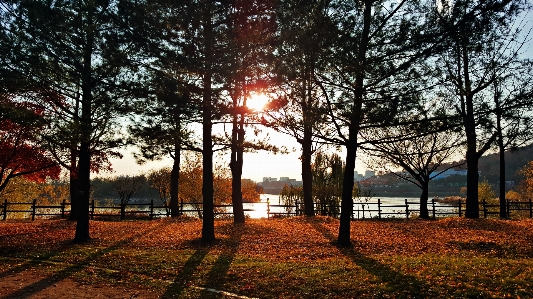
column 530, row 208
column 508, row 208
column 379, row 208
column 406, row 210
column 268, row 208
column 33, row 208
column 63, row 209
column 151, row 209
column 484, row 203
column 5, row 210
column 122, row 211
column 460, row 206
column 433, row 206
column 92, row 209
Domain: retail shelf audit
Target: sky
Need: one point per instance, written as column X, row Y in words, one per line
column 256, row 166
column 262, row 164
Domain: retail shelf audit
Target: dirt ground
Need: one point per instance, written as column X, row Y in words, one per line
column 30, row 285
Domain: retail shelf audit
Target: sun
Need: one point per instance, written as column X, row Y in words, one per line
column 257, row 101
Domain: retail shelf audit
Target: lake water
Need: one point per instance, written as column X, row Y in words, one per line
column 389, row 206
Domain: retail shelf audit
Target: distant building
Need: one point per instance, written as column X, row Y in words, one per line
column 269, row 179
column 274, row 186
column 357, row 176
column 369, row 173
column 450, row 172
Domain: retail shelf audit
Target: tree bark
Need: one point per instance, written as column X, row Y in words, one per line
column 174, row 182
column 82, row 224
column 208, row 221
column 503, row 201
column 73, row 185
column 84, row 173
column 353, row 130
column 307, row 175
column 236, row 167
column 424, row 213
column 472, row 181
column 347, row 196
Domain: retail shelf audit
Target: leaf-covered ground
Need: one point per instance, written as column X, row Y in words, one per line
column 286, row 258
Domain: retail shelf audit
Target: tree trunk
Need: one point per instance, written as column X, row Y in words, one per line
column 503, row 201
column 174, row 182
column 73, row 185
column 307, row 142
column 122, row 211
column 307, row 175
column 84, row 175
column 355, row 120
column 208, row 222
column 472, row 181
column 347, row 196
column 84, row 172
column 236, row 167
column 424, row 213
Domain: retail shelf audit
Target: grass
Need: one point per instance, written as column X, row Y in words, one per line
column 286, row 258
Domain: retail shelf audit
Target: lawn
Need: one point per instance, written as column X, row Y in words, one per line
column 283, row 258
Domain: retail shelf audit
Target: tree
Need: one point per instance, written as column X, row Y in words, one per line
column 328, row 171
column 161, row 123
column 374, row 60
column 126, row 186
column 477, row 56
column 422, row 155
column 512, row 121
column 251, row 29
column 191, row 182
column 76, row 50
column 305, row 31
column 526, row 185
column 160, row 179
column 20, row 152
column 161, row 131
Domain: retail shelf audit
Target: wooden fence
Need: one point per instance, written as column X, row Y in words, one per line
column 361, row 210
column 134, row 210
column 378, row 209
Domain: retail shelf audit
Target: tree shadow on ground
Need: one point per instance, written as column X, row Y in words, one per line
column 218, row 275
column 398, row 284
column 36, row 261
column 181, row 282
column 36, row 287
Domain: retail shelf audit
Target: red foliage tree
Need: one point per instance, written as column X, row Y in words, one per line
column 20, row 150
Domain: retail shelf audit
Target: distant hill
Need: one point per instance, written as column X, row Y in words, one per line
column 489, row 165
column 489, row 168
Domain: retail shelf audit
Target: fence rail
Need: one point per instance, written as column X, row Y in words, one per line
column 360, row 210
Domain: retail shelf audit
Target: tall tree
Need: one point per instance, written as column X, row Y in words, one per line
column 479, row 54
column 374, row 59
column 251, row 29
column 205, row 37
column 76, row 50
column 304, row 32
column 160, row 126
column 160, row 129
